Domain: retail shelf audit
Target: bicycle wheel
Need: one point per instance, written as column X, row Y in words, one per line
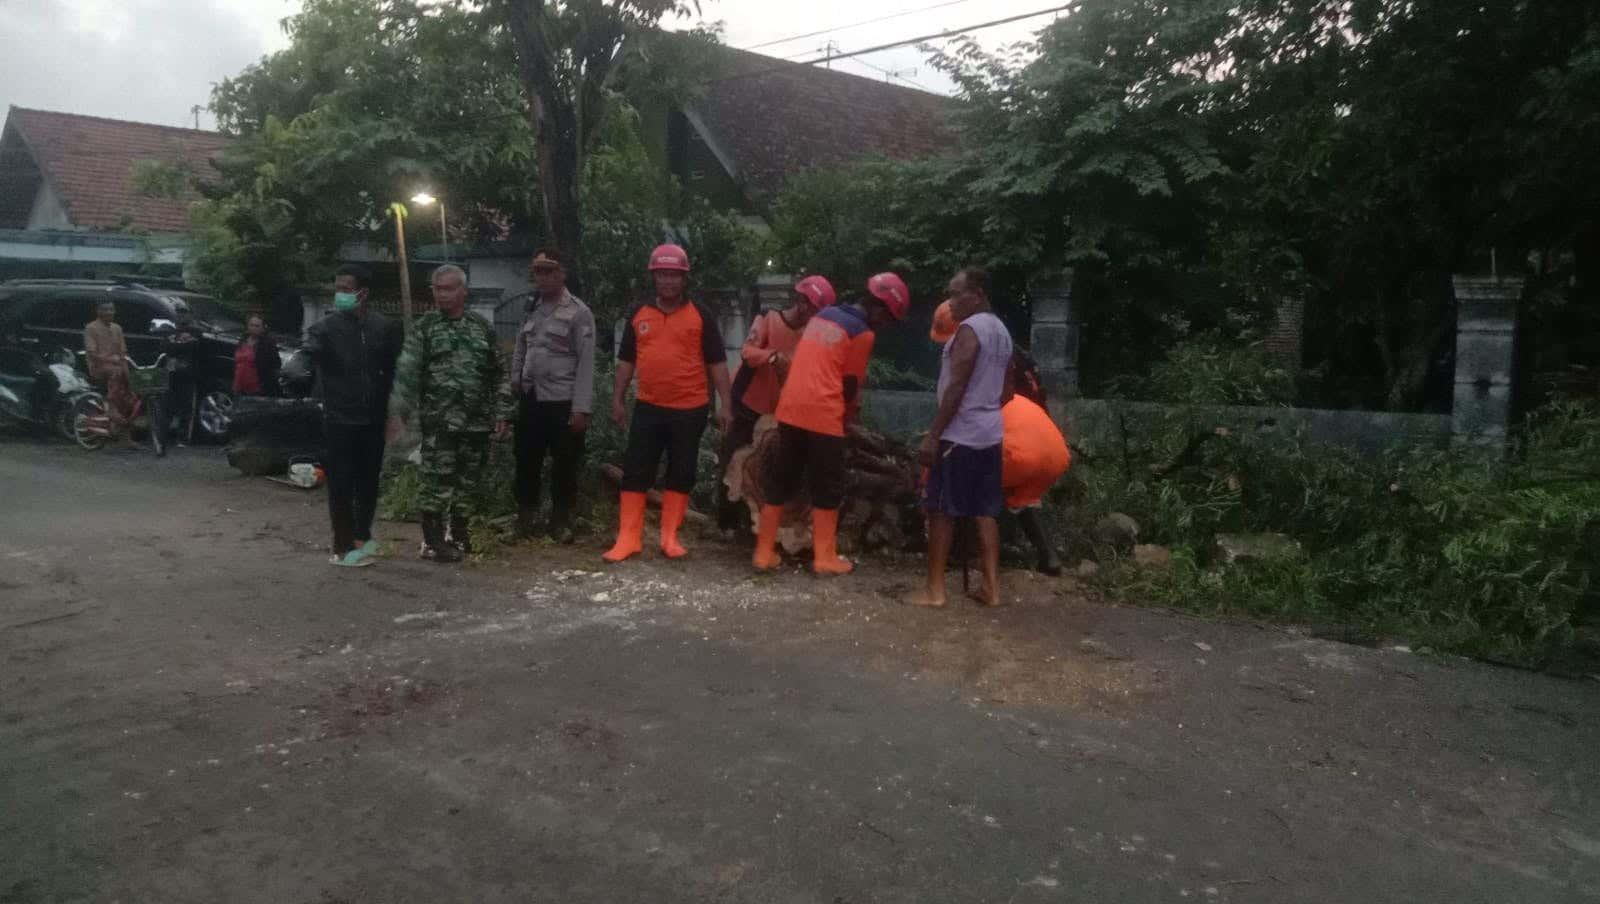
column 91, row 424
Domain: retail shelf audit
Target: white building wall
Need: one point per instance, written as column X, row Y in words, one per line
column 48, row 212
column 509, row 274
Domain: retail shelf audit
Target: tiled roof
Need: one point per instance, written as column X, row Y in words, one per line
column 776, row 118
column 90, row 163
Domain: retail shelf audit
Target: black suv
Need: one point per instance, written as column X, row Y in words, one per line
column 53, row 312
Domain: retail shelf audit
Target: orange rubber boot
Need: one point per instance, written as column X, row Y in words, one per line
column 766, row 557
column 825, row 543
column 630, row 530
column 673, row 507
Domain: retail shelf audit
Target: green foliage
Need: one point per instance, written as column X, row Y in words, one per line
column 161, row 179
column 631, row 205
column 874, row 216
column 1198, row 163
column 883, row 374
column 376, row 99
column 1452, row 549
column 1210, row 370
column 372, row 101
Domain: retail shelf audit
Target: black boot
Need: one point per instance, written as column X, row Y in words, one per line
column 460, row 535
column 561, row 528
column 1033, row 524
column 433, row 542
column 527, row 518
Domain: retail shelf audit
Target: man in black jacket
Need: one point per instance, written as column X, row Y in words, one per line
column 353, row 351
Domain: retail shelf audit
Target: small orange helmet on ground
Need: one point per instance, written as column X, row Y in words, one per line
column 817, row 290
column 944, row 323
column 669, row 257
column 891, row 290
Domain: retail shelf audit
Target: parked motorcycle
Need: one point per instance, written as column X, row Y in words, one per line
column 43, row 390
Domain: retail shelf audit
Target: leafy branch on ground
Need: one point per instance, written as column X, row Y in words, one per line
column 1456, row 549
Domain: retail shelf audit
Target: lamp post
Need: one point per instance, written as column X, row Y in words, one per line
column 399, row 211
column 425, row 199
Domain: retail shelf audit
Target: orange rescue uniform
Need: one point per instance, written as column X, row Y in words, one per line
column 1034, row 454
column 835, row 347
column 770, row 335
column 670, row 353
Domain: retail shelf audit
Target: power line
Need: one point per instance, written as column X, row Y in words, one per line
column 894, row 75
column 825, row 31
column 786, row 66
column 943, row 34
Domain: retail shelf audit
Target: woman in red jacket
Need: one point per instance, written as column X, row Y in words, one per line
column 255, row 361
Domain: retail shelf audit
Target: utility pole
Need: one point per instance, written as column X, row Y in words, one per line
column 829, row 49
column 399, row 211
column 444, row 231
column 195, row 110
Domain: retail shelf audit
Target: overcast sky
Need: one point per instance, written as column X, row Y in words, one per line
column 153, row 60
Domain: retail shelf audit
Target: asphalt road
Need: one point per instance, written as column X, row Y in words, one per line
column 195, row 707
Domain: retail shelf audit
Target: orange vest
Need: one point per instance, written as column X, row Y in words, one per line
column 836, row 344
column 769, row 335
column 670, row 354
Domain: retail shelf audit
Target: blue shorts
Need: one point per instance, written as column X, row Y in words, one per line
column 965, row 482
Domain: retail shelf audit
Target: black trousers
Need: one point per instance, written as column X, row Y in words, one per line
column 354, row 461
column 655, row 431
column 542, row 429
column 807, row 457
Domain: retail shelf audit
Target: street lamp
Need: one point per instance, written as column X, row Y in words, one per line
column 424, row 199
column 398, row 210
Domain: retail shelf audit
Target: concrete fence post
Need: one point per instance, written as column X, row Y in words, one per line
column 311, row 310
column 773, row 291
column 1486, row 333
column 732, row 310
column 1053, row 338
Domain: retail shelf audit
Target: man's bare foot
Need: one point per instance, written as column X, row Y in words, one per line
column 987, row 600
column 923, row 597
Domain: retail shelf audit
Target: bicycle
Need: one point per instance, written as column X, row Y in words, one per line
column 91, row 418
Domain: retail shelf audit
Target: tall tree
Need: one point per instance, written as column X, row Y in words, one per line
column 567, row 54
column 1198, row 162
column 371, row 101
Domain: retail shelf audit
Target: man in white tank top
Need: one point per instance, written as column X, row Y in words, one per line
column 962, row 451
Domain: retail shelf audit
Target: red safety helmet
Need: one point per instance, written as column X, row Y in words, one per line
column 817, row 290
column 891, row 290
column 669, row 257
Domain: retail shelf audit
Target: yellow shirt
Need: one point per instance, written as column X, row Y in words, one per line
column 105, row 348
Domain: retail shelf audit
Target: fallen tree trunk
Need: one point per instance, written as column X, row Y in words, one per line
column 880, row 510
column 611, row 475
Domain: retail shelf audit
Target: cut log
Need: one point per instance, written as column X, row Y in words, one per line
column 611, row 476
column 880, row 490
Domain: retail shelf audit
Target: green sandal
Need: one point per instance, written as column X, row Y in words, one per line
column 355, row 558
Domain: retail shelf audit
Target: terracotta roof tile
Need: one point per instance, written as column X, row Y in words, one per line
column 90, row 162
column 776, row 118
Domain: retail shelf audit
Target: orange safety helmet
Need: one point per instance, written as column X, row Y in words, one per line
column 891, row 290
column 669, row 257
column 817, row 290
column 944, row 323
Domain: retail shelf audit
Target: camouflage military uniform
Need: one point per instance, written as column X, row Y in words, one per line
column 449, row 376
